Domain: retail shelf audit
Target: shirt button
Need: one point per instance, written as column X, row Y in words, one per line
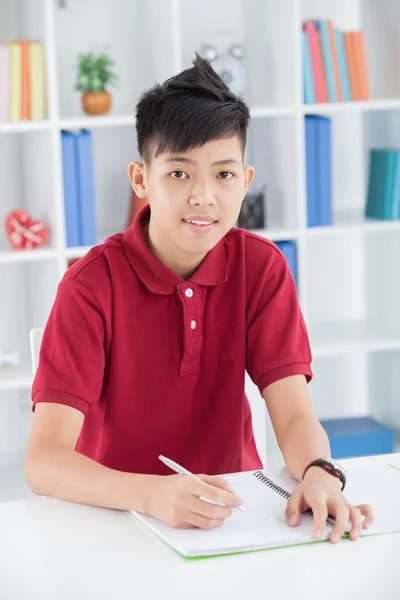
column 193, row 324
column 189, row 292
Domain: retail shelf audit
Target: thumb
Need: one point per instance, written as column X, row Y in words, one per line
column 293, row 510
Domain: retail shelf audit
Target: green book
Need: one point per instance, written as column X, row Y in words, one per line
column 388, row 184
column 263, row 525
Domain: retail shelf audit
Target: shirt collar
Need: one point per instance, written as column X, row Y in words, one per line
column 158, row 278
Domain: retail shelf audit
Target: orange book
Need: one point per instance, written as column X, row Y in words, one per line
column 348, row 37
column 335, row 62
column 321, row 61
column 361, row 62
column 25, row 91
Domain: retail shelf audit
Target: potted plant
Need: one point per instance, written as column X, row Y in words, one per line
column 94, row 74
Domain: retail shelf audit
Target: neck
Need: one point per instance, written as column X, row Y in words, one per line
column 182, row 265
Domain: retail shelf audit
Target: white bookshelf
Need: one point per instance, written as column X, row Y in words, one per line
column 349, row 280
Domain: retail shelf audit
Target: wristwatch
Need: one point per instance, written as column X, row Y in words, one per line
column 330, row 466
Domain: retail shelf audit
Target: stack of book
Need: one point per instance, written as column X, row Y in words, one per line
column 318, row 171
column 334, row 64
column 22, row 81
column 79, row 194
column 383, row 194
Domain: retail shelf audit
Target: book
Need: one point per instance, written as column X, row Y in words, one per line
column 85, row 187
column 324, row 172
column 15, row 81
column 311, row 170
column 37, row 98
column 327, row 56
column 343, row 69
column 25, row 83
column 321, row 93
column 288, row 249
column 72, row 225
column 4, row 83
column 264, row 524
column 309, row 94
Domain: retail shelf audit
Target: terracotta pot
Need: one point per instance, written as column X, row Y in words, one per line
column 96, row 103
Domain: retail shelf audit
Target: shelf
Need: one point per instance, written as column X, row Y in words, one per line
column 22, row 256
column 77, row 251
column 349, row 221
column 341, row 337
column 25, row 126
column 17, row 378
column 88, row 122
column 359, row 106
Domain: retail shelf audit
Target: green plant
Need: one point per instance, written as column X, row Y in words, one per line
column 94, row 72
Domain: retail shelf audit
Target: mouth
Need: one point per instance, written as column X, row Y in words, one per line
column 199, row 225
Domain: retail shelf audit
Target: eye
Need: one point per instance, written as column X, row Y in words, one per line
column 178, row 175
column 225, row 175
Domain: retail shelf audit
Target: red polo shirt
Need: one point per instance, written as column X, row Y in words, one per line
column 157, row 364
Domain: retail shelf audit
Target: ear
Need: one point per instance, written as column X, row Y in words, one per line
column 249, row 173
column 136, row 174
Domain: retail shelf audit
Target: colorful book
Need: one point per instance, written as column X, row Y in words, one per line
column 25, row 80
column 342, row 62
column 311, row 172
column 327, row 56
column 37, row 82
column 335, row 60
column 372, row 208
column 71, row 209
column 5, row 77
column 321, row 94
column 263, row 524
column 361, row 65
column 15, row 81
column 309, row 93
column 85, row 186
column 390, row 164
column 395, row 207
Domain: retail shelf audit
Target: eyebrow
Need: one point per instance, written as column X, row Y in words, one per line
column 182, row 159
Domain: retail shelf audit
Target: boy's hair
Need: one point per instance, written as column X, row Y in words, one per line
column 188, row 110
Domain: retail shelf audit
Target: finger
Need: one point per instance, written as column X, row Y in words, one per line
column 320, row 515
column 205, row 509
column 214, row 493
column 196, row 520
column 355, row 518
column 293, row 509
column 368, row 514
column 341, row 513
column 218, row 481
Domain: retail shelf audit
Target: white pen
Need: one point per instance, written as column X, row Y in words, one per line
column 182, row 471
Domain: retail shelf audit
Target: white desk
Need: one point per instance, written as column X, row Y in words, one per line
column 55, row 550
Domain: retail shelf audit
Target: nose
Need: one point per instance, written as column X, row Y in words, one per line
column 202, row 194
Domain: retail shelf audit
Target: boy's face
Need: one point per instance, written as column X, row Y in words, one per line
column 195, row 198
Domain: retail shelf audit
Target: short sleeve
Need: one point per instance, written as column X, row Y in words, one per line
column 277, row 339
column 72, row 356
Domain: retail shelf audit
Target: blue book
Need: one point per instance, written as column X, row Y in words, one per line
column 358, row 436
column 395, row 210
column 311, row 170
column 343, row 69
column 71, row 209
column 84, row 161
column 390, row 165
column 324, row 171
column 288, row 249
column 372, row 203
column 309, row 93
column 327, row 60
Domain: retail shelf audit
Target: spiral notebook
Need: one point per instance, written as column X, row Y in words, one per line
column 264, row 524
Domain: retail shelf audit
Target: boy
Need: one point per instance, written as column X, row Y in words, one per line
column 146, row 347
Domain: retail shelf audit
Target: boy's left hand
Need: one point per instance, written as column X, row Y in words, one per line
column 322, row 493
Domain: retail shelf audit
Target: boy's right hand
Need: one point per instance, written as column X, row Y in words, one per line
column 175, row 500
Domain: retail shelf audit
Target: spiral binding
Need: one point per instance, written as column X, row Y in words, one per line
column 276, row 488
